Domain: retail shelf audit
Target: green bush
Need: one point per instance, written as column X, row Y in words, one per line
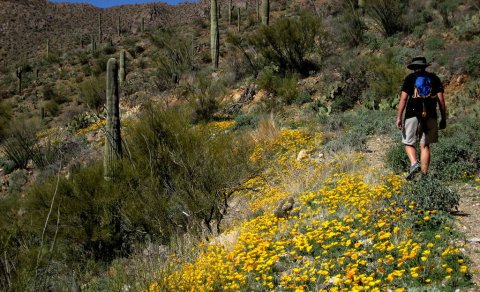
column 388, row 15
column 434, row 43
column 5, row 117
column 202, row 94
column 446, row 9
column 92, row 92
column 246, row 121
column 472, row 64
column 279, row 90
column 290, row 42
column 430, row 193
column 353, row 26
column 396, row 158
column 51, row 107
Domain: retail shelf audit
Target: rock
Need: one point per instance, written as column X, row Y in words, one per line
column 474, row 240
column 284, row 208
column 302, row 154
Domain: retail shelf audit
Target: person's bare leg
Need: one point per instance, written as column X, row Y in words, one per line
column 411, row 153
column 425, row 157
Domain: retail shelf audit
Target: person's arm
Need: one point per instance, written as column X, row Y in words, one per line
column 443, row 110
column 401, row 108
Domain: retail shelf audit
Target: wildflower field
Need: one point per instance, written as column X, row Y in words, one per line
column 350, row 229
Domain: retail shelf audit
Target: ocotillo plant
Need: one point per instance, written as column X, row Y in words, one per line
column 214, row 33
column 122, row 71
column 113, row 139
column 265, row 11
column 19, row 77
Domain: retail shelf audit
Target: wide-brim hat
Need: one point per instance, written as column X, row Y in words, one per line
column 418, row 63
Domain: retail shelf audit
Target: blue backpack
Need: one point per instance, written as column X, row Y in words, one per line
column 423, row 89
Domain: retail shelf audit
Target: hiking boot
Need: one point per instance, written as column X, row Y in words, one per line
column 413, row 169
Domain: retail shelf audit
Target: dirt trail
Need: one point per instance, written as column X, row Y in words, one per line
column 468, row 216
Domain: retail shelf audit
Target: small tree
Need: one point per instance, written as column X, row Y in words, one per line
column 388, row 15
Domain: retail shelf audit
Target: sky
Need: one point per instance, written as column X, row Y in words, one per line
column 110, row 3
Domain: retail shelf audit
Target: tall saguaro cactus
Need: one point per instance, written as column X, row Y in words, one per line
column 265, row 12
column 230, row 11
column 143, row 25
column 19, row 77
column 257, row 4
column 214, row 33
column 100, row 32
column 119, row 28
column 239, row 19
column 48, row 49
column 93, row 44
column 122, row 71
column 113, row 139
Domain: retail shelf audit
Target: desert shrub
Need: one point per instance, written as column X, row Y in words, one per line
column 434, row 43
column 279, row 90
column 175, row 57
column 108, row 50
column 303, row 97
column 49, row 93
column 23, row 145
column 246, row 121
column 202, row 94
column 100, row 65
column 5, row 116
column 51, row 108
column 290, row 42
column 446, row 9
column 388, row 15
column 384, row 82
column 16, row 181
column 472, row 64
column 454, row 157
column 396, row 158
column 353, row 26
column 92, row 92
column 430, row 193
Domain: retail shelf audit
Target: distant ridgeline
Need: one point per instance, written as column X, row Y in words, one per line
column 26, row 25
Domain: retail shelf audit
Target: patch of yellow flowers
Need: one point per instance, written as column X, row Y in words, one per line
column 343, row 234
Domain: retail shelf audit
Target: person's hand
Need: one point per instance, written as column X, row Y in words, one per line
column 443, row 124
column 399, row 123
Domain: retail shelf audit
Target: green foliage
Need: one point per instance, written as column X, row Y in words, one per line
column 202, row 94
column 290, row 42
column 388, row 15
column 280, row 90
column 446, row 9
column 49, row 93
column 472, row 64
column 16, row 181
column 396, row 158
column 51, row 107
column 430, row 193
column 352, row 24
column 92, row 92
column 246, row 121
column 5, row 117
column 100, row 65
column 175, row 57
column 434, row 43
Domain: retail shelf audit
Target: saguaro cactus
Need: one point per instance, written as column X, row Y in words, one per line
column 122, row 71
column 19, row 77
column 113, row 140
column 265, row 11
column 361, row 6
column 100, row 32
column 239, row 19
column 119, row 29
column 257, row 4
column 214, row 33
column 143, row 25
column 230, row 11
column 93, row 44
column 48, row 49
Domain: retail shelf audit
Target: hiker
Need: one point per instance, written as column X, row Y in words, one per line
column 421, row 91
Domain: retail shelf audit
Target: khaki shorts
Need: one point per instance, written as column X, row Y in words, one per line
column 413, row 129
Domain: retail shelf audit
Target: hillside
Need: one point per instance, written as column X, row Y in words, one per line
column 279, row 169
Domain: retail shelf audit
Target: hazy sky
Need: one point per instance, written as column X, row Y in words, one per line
column 110, row 3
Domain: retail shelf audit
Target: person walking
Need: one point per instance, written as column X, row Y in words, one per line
column 421, row 92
